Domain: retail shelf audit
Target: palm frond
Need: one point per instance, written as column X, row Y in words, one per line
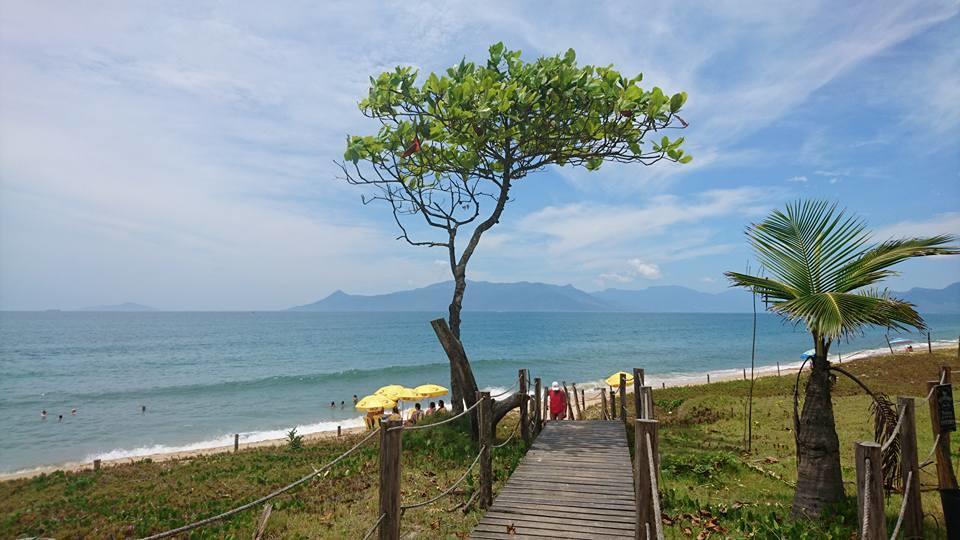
column 836, row 315
column 874, row 264
column 767, row 288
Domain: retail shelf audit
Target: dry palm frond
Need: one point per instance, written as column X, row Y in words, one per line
column 884, row 423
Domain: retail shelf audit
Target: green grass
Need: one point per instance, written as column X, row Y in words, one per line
column 706, row 469
column 148, row 497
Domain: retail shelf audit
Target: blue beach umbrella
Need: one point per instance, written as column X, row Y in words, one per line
column 808, row 354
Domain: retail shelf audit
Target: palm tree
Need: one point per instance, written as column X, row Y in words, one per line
column 821, row 269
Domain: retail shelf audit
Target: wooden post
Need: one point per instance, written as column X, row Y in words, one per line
column 946, row 478
column 96, row 464
column 643, row 486
column 566, row 394
column 486, row 441
column 546, row 406
column 646, row 402
column 576, row 402
column 868, row 458
column 708, row 378
column 537, row 391
column 236, row 440
column 603, row 404
column 663, row 385
column 778, row 369
column 886, row 337
column 637, row 384
column 623, row 398
column 524, row 417
column 390, row 449
column 613, row 403
column 583, row 400
column 913, row 515
column 929, row 344
column 339, row 431
column 744, row 373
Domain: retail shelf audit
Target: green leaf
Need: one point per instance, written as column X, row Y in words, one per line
column 570, row 56
column 496, row 50
column 686, row 159
column 677, row 101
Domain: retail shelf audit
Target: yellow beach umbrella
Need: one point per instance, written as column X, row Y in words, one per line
column 431, row 390
column 376, row 401
column 389, row 389
column 614, row 380
column 403, row 394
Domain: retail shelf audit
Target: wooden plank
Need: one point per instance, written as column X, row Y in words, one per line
column 531, row 520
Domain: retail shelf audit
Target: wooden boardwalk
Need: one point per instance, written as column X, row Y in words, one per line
column 576, row 481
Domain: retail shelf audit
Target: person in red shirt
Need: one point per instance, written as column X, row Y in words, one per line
column 558, row 402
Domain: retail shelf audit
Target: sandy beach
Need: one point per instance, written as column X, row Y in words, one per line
column 592, row 397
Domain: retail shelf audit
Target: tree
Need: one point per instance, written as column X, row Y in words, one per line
column 450, row 150
column 822, row 268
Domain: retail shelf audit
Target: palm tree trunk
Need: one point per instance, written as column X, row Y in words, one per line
column 819, row 481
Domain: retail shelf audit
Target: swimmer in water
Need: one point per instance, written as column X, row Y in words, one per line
column 60, row 419
column 73, row 412
column 333, row 404
column 43, row 414
column 143, row 409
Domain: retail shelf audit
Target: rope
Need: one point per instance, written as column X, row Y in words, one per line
column 261, row 500
column 903, row 506
column 375, row 526
column 435, row 424
column 449, row 489
column 943, row 380
column 867, row 482
column 507, row 391
column 929, row 460
column 895, row 434
column 504, row 443
column 654, row 491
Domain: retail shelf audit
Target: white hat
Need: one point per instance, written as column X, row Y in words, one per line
column 555, row 385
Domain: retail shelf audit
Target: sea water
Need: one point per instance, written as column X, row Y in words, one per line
column 205, row 376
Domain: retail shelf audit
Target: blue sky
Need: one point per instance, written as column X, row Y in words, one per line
column 180, row 154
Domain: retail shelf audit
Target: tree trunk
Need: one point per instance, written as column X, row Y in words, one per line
column 458, row 390
column 460, row 372
column 819, row 481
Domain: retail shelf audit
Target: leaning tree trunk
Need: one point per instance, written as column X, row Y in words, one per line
column 819, row 481
column 461, row 375
column 458, row 387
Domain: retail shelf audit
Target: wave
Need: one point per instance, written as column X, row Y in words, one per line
column 310, row 379
column 225, row 440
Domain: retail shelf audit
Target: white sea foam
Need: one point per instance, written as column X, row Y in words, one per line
column 224, row 440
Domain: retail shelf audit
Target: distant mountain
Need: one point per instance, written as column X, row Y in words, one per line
column 126, row 306
column 481, row 296
column 946, row 300
column 526, row 296
column 676, row 299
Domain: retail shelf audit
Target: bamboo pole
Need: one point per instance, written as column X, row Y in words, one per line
column 576, row 402
column 486, row 441
column 537, row 414
column 910, row 469
column 524, row 411
column 390, row 449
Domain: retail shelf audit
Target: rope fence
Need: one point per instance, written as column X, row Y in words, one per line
column 654, row 490
column 867, row 499
column 261, row 500
column 903, row 506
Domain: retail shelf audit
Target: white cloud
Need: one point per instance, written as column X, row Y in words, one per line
column 645, row 270
column 946, row 223
column 800, row 179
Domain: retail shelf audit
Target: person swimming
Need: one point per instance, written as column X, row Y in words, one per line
column 333, row 404
column 342, row 405
column 43, row 414
column 60, row 419
column 73, row 412
column 143, row 409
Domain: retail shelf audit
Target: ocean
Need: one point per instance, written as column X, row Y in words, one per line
column 205, row 376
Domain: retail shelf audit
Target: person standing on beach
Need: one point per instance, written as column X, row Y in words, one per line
column 558, row 402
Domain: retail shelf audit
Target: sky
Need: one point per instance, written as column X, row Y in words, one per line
column 181, row 154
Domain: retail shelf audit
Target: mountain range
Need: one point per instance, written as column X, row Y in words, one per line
column 527, row 296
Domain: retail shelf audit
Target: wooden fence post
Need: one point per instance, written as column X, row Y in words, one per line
column 603, row 404
column 546, row 406
column 538, row 416
column 644, row 484
column 613, row 404
column 390, row 449
column 708, row 378
column 913, row 515
column 583, row 400
column 524, row 411
column 646, row 402
column 637, row 384
column 486, row 441
column 778, row 369
column 236, row 440
column 623, row 398
column 566, row 393
column 96, row 464
column 744, row 373
column 929, row 344
column 663, row 385
column 873, row 522
column 946, row 477
column 576, row 402
column 339, row 431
